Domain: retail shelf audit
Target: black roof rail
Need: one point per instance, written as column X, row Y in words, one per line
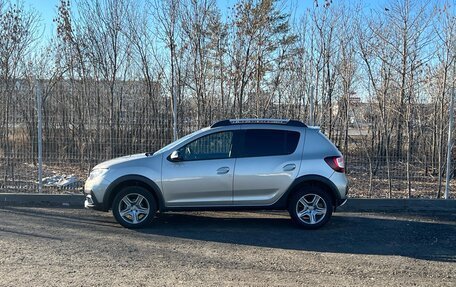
column 286, row 122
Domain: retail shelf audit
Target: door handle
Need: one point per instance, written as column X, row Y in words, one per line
column 223, row 170
column 289, row 167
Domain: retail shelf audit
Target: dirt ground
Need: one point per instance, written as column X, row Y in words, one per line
column 75, row 247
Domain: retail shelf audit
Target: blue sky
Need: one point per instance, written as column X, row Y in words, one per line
column 47, row 10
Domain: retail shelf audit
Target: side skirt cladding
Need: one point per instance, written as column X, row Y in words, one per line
column 281, row 204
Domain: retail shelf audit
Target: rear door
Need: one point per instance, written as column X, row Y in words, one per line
column 268, row 161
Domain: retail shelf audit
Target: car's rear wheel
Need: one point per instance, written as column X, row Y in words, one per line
column 311, row 207
column 134, row 207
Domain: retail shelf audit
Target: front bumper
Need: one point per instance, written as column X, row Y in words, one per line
column 88, row 203
column 92, row 203
column 342, row 202
column 95, row 190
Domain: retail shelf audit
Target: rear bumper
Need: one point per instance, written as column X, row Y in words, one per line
column 341, row 183
column 342, row 201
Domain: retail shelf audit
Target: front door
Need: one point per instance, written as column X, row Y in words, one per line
column 203, row 175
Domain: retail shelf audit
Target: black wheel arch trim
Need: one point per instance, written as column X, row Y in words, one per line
column 140, row 180
column 283, row 201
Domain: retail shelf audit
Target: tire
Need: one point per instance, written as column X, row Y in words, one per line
column 134, row 207
column 311, row 207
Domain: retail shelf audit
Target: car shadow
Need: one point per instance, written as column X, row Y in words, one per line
column 420, row 236
column 345, row 233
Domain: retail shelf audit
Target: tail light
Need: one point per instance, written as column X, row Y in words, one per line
column 336, row 162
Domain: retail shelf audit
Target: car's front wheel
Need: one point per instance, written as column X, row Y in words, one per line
column 311, row 207
column 134, row 207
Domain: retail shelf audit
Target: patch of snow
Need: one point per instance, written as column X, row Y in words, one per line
column 63, row 181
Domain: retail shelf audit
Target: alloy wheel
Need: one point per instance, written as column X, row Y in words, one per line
column 134, row 208
column 311, row 208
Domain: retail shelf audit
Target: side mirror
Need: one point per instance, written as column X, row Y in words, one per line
column 175, row 156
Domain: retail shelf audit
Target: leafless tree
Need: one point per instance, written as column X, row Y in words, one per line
column 18, row 28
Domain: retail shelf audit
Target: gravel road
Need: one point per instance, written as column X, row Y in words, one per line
column 75, row 247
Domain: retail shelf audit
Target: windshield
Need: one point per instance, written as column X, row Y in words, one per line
column 176, row 143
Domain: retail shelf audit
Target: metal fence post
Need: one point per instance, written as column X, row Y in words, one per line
column 311, row 119
column 449, row 145
column 39, row 97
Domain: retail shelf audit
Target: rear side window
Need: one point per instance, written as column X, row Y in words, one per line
column 258, row 142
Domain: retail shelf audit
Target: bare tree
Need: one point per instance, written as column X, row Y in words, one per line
column 445, row 29
column 167, row 15
column 17, row 34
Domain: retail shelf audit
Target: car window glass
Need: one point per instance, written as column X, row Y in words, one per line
column 177, row 142
column 258, row 142
column 213, row 146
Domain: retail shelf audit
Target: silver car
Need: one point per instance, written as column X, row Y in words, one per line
column 251, row 164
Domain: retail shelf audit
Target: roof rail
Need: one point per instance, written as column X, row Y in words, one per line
column 286, row 122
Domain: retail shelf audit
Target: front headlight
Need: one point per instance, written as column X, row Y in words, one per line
column 97, row 173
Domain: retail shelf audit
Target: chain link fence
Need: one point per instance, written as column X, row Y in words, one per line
column 69, row 154
column 71, row 146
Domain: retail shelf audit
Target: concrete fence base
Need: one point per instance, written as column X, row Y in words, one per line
column 352, row 205
column 412, row 205
column 42, row 200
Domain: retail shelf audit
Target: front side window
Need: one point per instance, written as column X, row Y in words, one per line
column 213, row 146
column 266, row 142
column 175, row 143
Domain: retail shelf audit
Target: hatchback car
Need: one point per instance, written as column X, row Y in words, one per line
column 248, row 164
